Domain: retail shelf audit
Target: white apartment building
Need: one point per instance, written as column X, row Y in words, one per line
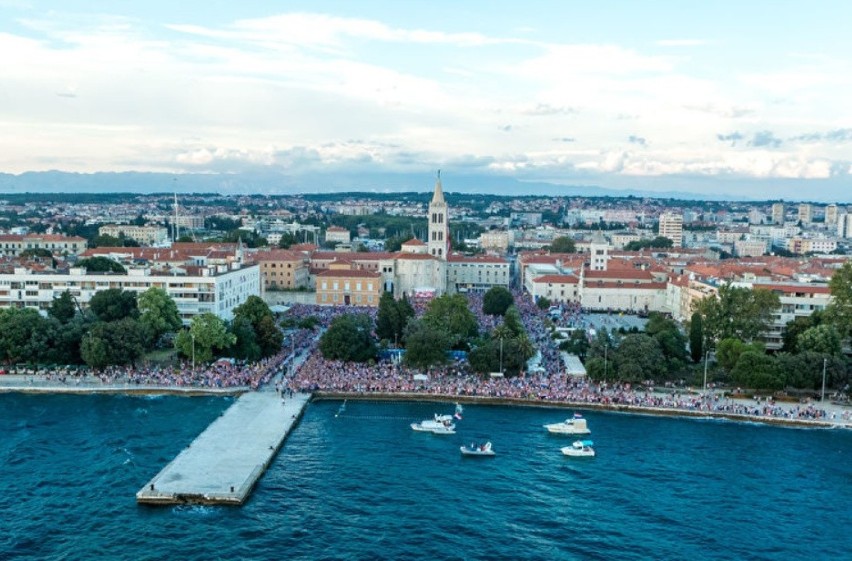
column 671, row 227
column 476, row 274
column 217, row 289
column 801, row 245
column 797, row 300
column 145, row 235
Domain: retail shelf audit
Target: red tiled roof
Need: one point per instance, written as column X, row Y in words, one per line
column 349, row 273
column 414, row 242
column 557, row 279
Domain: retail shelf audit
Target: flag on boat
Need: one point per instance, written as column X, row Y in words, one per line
column 458, row 416
column 577, row 416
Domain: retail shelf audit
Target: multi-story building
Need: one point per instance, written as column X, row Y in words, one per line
column 844, row 226
column 196, row 290
column 800, row 246
column 340, row 285
column 778, row 213
column 281, row 269
column 13, row 245
column 336, row 234
column 671, row 227
column 145, row 235
column 494, row 240
column 805, row 213
column 190, row 222
column 831, row 215
column 476, row 274
column 797, row 300
column 749, row 248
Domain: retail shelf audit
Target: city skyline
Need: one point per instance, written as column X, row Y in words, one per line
column 717, row 99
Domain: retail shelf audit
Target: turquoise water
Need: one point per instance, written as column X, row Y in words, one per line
column 364, row 486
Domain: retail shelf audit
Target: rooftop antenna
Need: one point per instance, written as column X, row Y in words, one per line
column 177, row 231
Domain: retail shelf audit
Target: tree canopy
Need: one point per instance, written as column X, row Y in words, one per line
column 267, row 335
column 839, row 310
column 660, row 242
column 207, row 335
column 63, row 307
column 158, row 312
column 349, row 338
column 113, row 304
column 392, row 317
column 115, row 342
column 101, row 264
column 425, row 345
column 497, row 300
column 740, row 313
column 451, row 314
column 563, row 244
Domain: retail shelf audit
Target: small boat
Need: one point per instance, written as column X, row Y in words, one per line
column 580, row 449
column 480, row 450
column 574, row 425
column 441, row 424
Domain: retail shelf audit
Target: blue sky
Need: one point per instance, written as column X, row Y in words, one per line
column 654, row 95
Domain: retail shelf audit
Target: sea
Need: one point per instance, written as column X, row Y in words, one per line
column 355, row 482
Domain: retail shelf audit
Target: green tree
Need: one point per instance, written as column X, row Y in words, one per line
column 804, row 370
column 757, row 370
column 512, row 321
column 115, row 342
column 696, row 337
column 542, row 302
column 638, row 358
column 207, row 335
column 113, row 304
column 796, row 327
column 158, row 312
column 392, row 317
column 659, row 242
column 17, row 326
column 576, row 344
column 101, row 264
column 563, row 244
column 349, row 338
column 63, row 307
column 739, row 313
column 839, row 310
column 451, row 314
column 267, row 334
column 728, row 351
column 497, row 300
column 823, row 339
column 425, row 344
column 245, row 346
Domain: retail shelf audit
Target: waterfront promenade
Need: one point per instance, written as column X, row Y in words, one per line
column 223, row 464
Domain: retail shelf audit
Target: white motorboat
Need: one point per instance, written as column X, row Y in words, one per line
column 580, row 449
column 441, row 424
column 477, row 450
column 574, row 425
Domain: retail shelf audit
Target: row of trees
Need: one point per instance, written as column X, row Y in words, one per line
column 119, row 327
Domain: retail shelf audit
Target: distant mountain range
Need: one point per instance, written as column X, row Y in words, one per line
column 274, row 183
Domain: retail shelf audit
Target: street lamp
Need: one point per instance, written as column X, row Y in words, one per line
column 824, row 364
column 192, row 335
column 606, row 347
column 706, row 357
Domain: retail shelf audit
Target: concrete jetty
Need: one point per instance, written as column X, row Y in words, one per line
column 223, row 464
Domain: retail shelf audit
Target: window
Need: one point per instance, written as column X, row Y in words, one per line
column 370, row 287
column 324, row 285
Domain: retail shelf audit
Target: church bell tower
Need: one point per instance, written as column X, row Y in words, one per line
column 439, row 229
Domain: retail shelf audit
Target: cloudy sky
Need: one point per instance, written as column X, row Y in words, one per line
column 654, row 94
